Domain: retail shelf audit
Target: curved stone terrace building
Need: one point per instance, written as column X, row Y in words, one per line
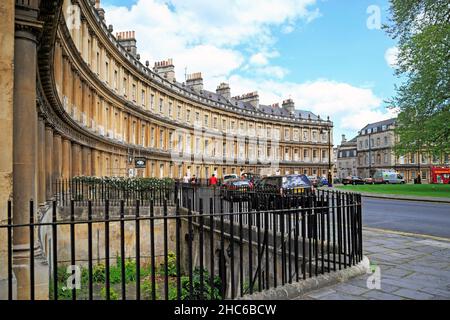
column 99, row 106
column 75, row 99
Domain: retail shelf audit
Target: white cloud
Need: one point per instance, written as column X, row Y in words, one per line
column 391, row 56
column 349, row 107
column 262, row 58
column 259, row 59
column 203, row 35
column 322, row 96
column 276, row 72
column 358, row 120
column 210, row 55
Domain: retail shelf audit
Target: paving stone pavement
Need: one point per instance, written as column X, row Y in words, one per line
column 409, row 268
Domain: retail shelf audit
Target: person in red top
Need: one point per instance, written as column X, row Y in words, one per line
column 213, row 180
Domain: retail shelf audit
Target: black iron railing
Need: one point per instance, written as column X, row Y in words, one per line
column 227, row 247
column 98, row 191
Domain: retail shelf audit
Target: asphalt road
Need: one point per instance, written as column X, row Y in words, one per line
column 426, row 218
column 407, row 216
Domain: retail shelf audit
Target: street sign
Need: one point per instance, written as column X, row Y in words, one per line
column 140, row 162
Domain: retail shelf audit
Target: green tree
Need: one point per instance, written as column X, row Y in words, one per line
column 422, row 30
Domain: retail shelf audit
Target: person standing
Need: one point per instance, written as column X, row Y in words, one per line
column 213, row 180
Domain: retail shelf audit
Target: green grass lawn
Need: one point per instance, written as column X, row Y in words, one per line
column 421, row 190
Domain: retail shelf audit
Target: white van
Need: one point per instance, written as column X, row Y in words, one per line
column 388, row 177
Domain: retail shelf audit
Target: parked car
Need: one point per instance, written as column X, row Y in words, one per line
column 352, row 180
column 274, row 188
column 369, row 180
column 285, row 184
column 386, row 177
column 337, row 180
column 230, row 177
column 314, row 180
column 323, row 182
column 253, row 177
column 236, row 189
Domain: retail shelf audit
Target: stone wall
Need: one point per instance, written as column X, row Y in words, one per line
column 98, row 236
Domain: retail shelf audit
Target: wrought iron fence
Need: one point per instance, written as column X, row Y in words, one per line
column 98, row 191
column 221, row 250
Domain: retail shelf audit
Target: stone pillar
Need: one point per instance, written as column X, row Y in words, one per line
column 94, row 155
column 76, row 160
column 89, row 162
column 25, row 130
column 48, row 162
column 6, row 129
column 57, row 157
column 84, row 160
column 66, row 159
column 41, row 162
column 25, row 150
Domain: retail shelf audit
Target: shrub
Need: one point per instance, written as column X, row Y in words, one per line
column 171, row 265
column 113, row 295
column 197, row 293
column 146, row 290
column 98, row 273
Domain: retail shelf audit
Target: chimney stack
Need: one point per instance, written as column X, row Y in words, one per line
column 251, row 97
column 343, row 139
column 128, row 40
column 224, row 90
column 195, row 81
column 165, row 69
column 289, row 105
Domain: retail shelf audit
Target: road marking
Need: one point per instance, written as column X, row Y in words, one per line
column 408, row 234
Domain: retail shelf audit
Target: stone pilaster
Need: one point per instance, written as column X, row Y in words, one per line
column 85, row 161
column 41, row 162
column 57, row 157
column 94, row 155
column 66, row 159
column 76, row 160
column 48, row 162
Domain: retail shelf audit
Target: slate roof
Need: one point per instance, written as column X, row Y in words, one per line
column 265, row 109
column 379, row 124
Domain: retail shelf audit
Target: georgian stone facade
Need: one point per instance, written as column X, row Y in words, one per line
column 375, row 150
column 128, row 109
column 347, row 161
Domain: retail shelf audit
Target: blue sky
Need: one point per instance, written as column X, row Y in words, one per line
column 321, row 53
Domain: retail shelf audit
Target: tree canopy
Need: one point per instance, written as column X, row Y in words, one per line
column 422, row 29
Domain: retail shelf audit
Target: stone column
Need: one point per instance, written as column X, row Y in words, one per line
column 94, row 155
column 6, row 129
column 41, row 162
column 25, row 130
column 76, row 159
column 66, row 159
column 89, row 162
column 25, row 149
column 84, row 160
column 57, row 157
column 48, row 162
